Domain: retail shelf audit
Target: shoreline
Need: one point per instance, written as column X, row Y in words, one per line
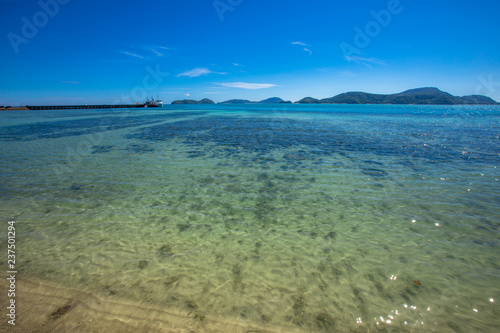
column 15, row 108
column 43, row 307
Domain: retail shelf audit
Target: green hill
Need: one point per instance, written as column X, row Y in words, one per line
column 191, row 101
column 237, row 101
column 432, row 96
column 308, row 100
column 272, row 100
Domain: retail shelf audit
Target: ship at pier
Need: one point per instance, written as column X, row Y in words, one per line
column 158, row 103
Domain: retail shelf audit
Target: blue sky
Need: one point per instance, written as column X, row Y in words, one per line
column 74, row 51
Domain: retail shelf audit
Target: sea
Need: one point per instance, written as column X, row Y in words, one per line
column 307, row 218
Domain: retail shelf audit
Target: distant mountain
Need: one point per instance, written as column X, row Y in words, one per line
column 478, row 99
column 308, row 100
column 432, row 96
column 354, row 98
column 237, row 101
column 272, row 100
column 191, row 101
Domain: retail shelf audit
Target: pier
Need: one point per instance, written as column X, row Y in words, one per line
column 74, row 107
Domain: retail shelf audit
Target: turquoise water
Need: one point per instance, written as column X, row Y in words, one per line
column 317, row 218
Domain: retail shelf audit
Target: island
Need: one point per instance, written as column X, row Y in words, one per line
column 238, row 101
column 308, row 100
column 429, row 96
column 272, row 100
column 191, row 101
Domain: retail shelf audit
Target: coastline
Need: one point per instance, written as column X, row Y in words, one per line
column 16, row 108
column 418, row 96
column 44, row 307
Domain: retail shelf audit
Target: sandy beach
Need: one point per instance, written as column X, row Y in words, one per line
column 42, row 307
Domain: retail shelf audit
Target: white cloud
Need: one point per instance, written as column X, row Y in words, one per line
column 306, row 46
column 300, row 43
column 145, row 51
column 244, row 85
column 70, row 82
column 157, row 53
column 198, row 72
column 132, row 54
column 365, row 61
column 155, row 50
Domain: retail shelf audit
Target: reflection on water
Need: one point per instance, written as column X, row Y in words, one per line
column 319, row 219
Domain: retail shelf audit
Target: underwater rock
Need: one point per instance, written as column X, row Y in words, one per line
column 76, row 187
column 207, row 180
column 108, row 289
column 183, row 227
column 407, row 294
column 298, row 306
column 372, row 162
column 139, row 148
column 101, row 149
column 200, row 317
column 166, row 250
column 331, row 235
column 375, row 172
column 455, row 327
column 236, row 269
column 324, row 321
column 143, row 263
column 60, row 312
column 171, row 280
column 192, row 304
column 265, row 318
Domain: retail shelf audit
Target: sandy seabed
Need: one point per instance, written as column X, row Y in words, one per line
column 42, row 307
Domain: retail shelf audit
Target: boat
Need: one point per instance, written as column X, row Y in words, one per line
column 159, row 102
column 153, row 103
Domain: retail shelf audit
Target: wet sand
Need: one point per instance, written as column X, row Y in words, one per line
column 42, row 307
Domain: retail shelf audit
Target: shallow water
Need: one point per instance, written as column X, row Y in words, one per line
column 321, row 218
